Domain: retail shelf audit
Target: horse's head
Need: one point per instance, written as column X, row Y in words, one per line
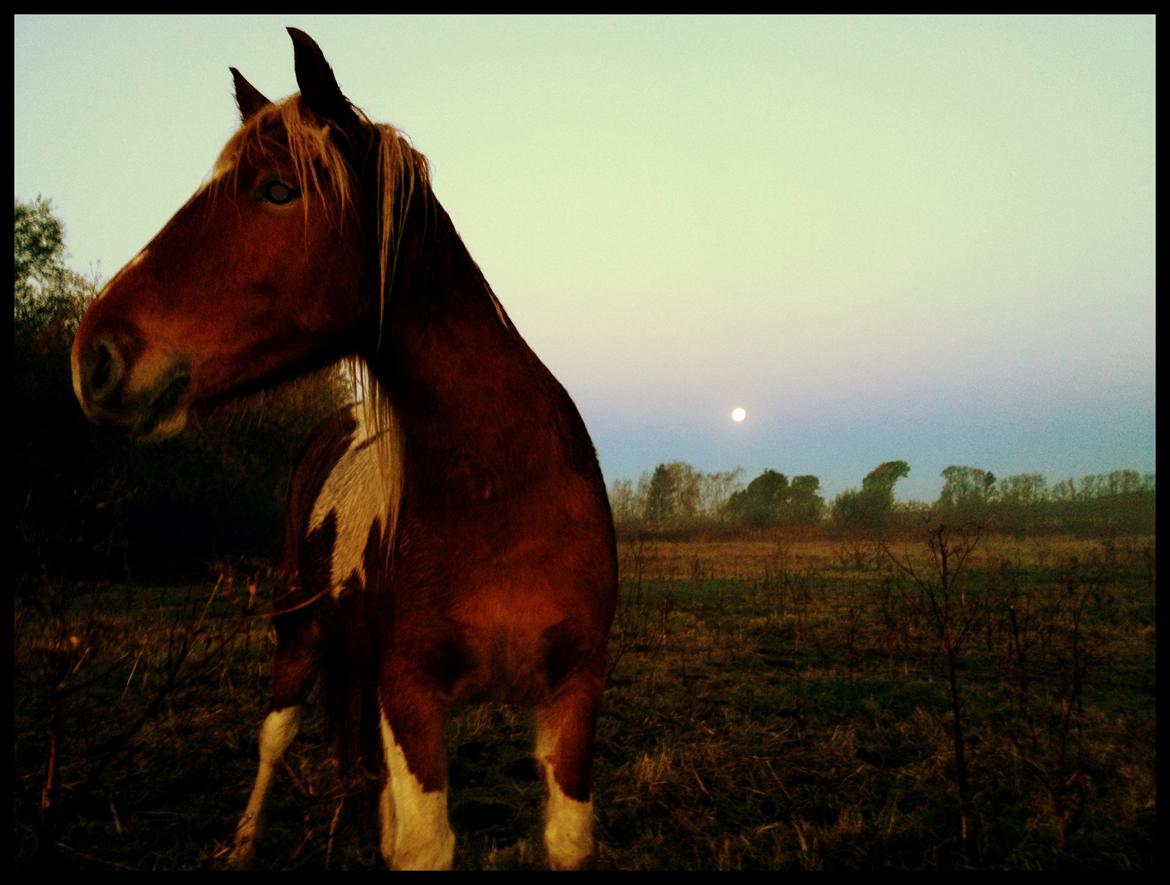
column 263, row 274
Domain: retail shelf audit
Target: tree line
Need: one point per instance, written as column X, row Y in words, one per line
column 675, row 495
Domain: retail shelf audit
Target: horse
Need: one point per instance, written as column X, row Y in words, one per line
column 460, row 508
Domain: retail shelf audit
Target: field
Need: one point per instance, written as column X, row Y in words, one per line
column 773, row 704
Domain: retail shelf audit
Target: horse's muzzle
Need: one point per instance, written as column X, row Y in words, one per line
column 100, row 377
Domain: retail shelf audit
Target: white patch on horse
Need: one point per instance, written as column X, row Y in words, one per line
column 422, row 838
column 568, row 829
column 354, row 495
column 277, row 732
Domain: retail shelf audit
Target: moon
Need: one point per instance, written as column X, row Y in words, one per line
column 738, row 414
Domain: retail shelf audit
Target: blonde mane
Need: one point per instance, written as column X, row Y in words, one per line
column 285, row 129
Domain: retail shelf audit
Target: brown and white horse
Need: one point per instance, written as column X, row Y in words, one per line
column 460, row 514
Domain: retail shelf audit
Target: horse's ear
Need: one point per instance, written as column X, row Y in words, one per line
column 248, row 98
column 319, row 90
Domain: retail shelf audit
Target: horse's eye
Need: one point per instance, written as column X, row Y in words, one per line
column 278, row 193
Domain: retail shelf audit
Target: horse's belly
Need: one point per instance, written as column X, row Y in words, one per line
column 501, row 642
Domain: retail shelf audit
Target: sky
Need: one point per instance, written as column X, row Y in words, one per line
column 927, row 239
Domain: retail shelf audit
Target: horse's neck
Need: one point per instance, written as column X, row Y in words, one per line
column 456, row 370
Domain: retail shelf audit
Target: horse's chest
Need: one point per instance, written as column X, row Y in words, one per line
column 354, row 507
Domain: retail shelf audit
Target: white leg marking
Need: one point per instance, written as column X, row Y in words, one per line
column 422, row 834
column 386, row 819
column 568, row 829
column 277, row 732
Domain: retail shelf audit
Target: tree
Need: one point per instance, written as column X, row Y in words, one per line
column 1124, row 482
column 1022, row 490
column 879, row 482
column 771, row 499
column 671, row 492
column 623, row 502
column 38, row 243
column 1021, row 502
column 805, row 505
column 762, row 502
column 43, row 289
column 869, row 508
column 965, row 494
column 61, row 493
column 715, row 489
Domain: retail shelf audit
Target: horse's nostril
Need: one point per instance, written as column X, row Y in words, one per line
column 100, row 372
column 105, row 370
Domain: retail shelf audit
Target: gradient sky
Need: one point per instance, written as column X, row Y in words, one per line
column 917, row 238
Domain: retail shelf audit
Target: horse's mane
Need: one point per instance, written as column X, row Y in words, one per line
column 286, row 128
column 323, row 171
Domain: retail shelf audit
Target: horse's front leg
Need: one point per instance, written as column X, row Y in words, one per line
column 564, row 748
column 293, row 670
column 416, row 834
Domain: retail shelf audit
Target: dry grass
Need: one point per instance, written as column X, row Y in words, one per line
column 773, row 705
column 749, row 558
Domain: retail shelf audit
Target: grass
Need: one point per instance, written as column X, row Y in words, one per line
column 774, row 704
